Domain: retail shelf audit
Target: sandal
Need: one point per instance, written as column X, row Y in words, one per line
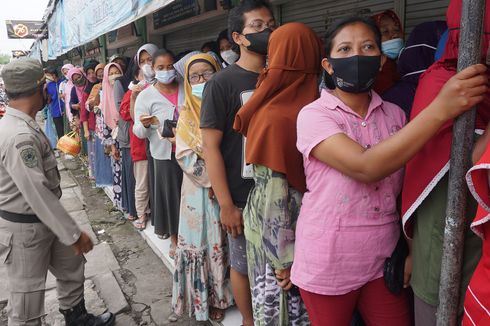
column 171, row 252
column 216, row 314
column 132, row 218
column 140, row 225
column 164, row 236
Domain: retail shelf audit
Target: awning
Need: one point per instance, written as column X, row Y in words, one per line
column 77, row 22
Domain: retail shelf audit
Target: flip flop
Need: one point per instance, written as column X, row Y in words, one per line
column 171, row 252
column 140, row 225
column 216, row 314
column 131, row 218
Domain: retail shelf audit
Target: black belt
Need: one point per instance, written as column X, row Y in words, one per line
column 19, row 218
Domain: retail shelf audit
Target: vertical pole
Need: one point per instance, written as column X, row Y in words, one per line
column 103, row 48
column 463, row 130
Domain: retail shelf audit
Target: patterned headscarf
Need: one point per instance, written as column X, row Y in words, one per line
column 188, row 126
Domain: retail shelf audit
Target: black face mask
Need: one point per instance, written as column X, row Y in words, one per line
column 259, row 41
column 355, row 74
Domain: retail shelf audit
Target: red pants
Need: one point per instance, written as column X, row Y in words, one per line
column 377, row 305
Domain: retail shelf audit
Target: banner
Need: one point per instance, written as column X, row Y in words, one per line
column 76, row 22
column 24, row 29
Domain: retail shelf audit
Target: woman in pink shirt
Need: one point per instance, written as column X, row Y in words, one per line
column 354, row 147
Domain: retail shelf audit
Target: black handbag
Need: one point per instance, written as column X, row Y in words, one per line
column 167, row 131
column 394, row 267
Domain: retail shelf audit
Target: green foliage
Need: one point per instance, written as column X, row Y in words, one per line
column 4, row 58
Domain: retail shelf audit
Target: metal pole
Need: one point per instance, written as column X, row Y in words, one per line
column 463, row 133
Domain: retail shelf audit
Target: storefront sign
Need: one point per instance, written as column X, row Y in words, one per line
column 24, row 29
column 179, row 10
column 76, row 22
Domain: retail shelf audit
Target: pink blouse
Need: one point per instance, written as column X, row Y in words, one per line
column 346, row 228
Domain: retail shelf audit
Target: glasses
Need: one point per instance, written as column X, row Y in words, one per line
column 260, row 25
column 195, row 78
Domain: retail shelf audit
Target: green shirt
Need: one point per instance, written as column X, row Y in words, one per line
column 428, row 234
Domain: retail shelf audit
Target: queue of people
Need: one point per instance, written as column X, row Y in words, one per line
column 274, row 161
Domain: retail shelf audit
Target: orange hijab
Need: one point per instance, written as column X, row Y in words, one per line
column 268, row 119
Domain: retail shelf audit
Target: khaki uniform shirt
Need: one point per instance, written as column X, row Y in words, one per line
column 29, row 176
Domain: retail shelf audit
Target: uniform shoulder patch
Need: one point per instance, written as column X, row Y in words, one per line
column 29, row 157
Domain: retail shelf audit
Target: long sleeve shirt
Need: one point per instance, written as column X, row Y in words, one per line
column 29, row 176
column 152, row 102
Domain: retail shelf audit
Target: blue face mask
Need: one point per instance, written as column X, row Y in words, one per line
column 165, row 76
column 198, row 89
column 392, row 48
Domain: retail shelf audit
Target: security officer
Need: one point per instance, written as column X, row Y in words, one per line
column 36, row 232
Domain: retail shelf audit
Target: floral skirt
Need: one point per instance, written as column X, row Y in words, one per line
column 201, row 277
column 270, row 221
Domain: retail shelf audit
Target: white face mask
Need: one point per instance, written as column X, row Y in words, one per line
column 148, row 72
column 112, row 79
column 165, row 76
column 229, row 56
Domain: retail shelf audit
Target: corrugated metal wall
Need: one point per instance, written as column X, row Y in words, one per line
column 318, row 14
column 419, row 11
column 192, row 37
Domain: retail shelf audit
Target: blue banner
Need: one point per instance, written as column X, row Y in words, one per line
column 76, row 22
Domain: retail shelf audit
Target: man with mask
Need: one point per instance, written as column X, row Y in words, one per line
column 250, row 24
column 36, row 232
column 56, row 105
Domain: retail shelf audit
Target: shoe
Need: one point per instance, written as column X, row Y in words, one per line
column 78, row 316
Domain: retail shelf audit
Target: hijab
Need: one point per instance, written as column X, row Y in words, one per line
column 414, row 59
column 188, row 125
column 181, row 65
column 79, row 89
column 98, row 67
column 390, row 14
column 151, row 49
column 96, row 88
column 67, row 91
column 268, row 119
column 431, row 163
column 388, row 75
column 108, row 105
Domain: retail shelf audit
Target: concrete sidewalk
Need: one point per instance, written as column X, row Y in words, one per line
column 123, row 273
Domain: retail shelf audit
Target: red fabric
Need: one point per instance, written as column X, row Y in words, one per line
column 86, row 115
column 137, row 145
column 422, row 169
column 478, row 179
column 377, row 305
column 477, row 297
column 387, row 77
column 391, row 14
